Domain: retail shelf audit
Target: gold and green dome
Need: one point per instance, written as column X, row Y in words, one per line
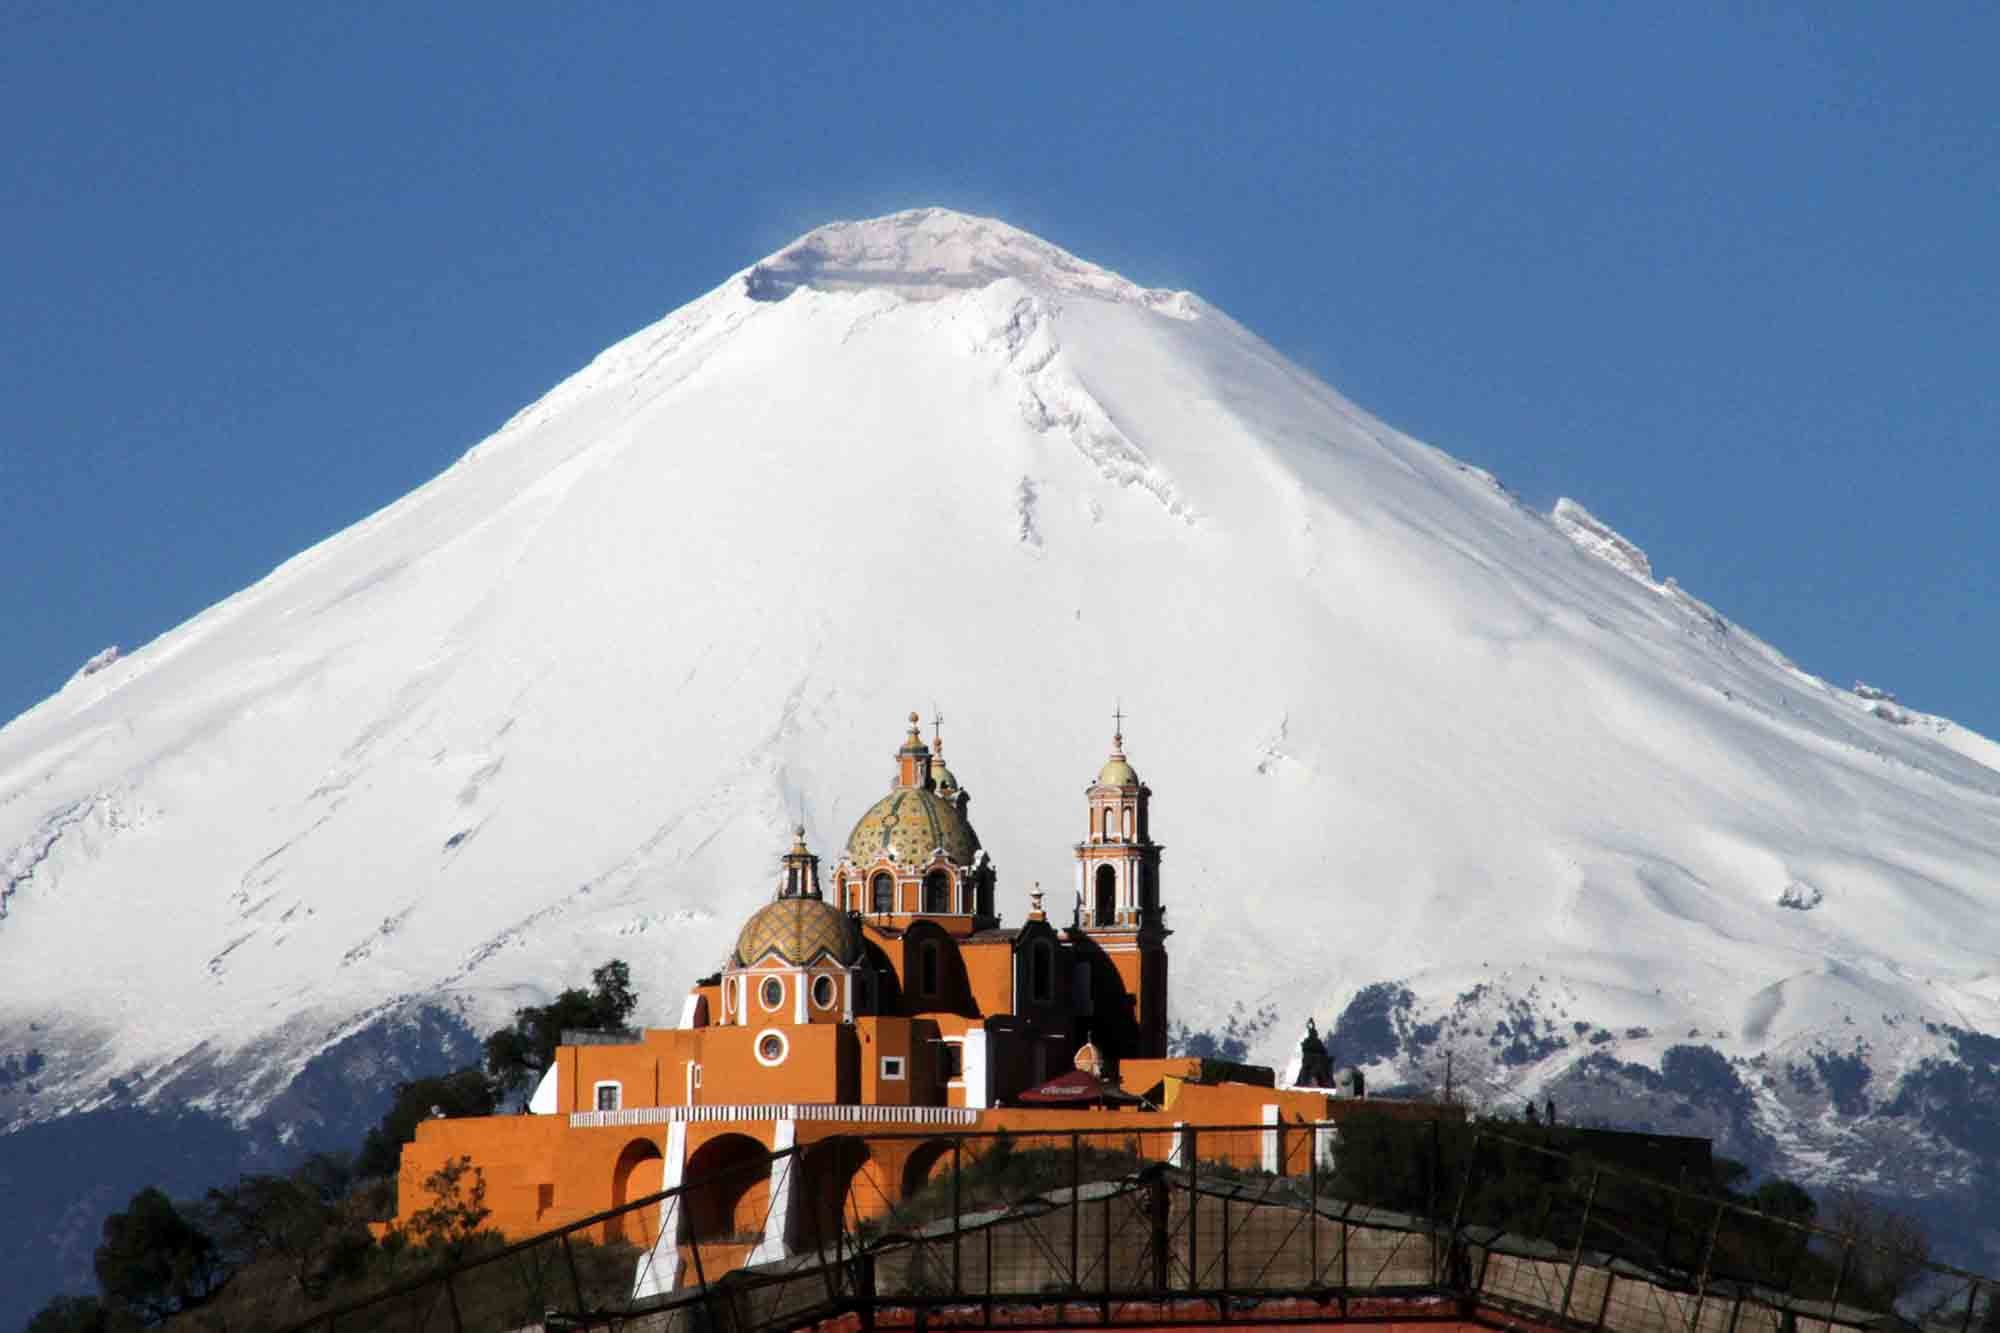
column 1117, row 773
column 799, row 931
column 912, row 822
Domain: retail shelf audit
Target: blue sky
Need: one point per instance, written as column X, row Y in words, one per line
column 1726, row 276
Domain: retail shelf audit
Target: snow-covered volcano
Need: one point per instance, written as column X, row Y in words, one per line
column 1462, row 770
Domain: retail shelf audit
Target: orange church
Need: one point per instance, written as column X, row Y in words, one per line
column 885, row 997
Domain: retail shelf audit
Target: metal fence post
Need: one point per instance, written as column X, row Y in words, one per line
column 575, row 1280
column 451, row 1297
column 1840, row 1278
column 1458, row 1209
column 1346, row 1241
column 1707, row 1259
column 1193, row 1146
column 1576, row 1255
column 1225, row 1254
column 1106, row 1257
column 1312, row 1201
column 686, row 1210
column 957, row 1213
column 1075, row 1211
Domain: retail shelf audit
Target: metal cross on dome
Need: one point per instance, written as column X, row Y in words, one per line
column 1118, row 724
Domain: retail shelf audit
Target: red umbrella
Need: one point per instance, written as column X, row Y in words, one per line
column 1077, row 1088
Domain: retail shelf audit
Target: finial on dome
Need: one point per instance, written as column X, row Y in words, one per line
column 1035, row 912
column 937, row 730
column 1117, row 771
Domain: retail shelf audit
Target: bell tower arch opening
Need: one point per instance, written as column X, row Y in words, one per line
column 1104, row 906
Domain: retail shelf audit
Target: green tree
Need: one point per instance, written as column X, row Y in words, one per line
column 154, row 1261
column 457, row 1208
column 465, row 1092
column 517, row 1055
column 296, row 1218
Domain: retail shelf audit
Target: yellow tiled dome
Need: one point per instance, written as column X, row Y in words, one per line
column 799, row 931
column 912, row 822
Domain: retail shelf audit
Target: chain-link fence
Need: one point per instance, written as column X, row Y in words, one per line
column 1176, row 1224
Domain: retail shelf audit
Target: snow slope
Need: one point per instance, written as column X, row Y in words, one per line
column 560, row 703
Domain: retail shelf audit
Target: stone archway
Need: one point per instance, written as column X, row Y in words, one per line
column 636, row 1174
column 928, row 1159
column 728, row 1183
column 823, row 1192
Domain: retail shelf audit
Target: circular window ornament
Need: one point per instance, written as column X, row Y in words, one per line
column 823, row 991
column 772, row 993
column 771, row 1048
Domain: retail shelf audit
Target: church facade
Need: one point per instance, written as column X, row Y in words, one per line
column 881, row 995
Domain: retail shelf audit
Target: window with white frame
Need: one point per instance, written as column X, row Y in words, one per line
column 892, row 1067
column 823, row 991
column 771, row 1048
column 771, row 992
column 608, row 1094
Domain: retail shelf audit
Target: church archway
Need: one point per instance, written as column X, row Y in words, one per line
column 728, row 1190
column 1106, row 906
column 635, row 1175
column 827, row 1193
column 928, row 1159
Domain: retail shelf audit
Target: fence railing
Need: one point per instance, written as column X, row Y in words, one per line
column 1174, row 1225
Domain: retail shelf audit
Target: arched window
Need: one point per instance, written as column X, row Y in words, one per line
column 1107, row 896
column 1128, row 823
column 1107, row 823
column 937, row 892
column 968, row 900
column 884, row 891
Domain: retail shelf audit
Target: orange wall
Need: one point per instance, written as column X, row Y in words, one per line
column 541, row 1173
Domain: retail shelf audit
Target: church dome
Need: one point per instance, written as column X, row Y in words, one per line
column 1117, row 772
column 799, row 931
column 911, row 822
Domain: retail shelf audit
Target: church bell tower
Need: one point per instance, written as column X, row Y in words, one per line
column 1118, row 900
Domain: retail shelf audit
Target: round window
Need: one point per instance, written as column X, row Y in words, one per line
column 770, row 1049
column 823, row 991
column 772, row 992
